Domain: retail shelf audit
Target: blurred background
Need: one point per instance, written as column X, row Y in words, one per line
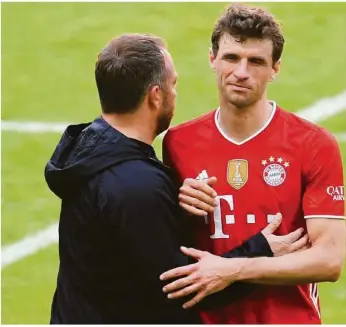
column 48, row 56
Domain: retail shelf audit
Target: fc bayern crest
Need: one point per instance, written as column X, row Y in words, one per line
column 274, row 173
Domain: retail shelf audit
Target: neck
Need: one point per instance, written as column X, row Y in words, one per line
column 240, row 123
column 135, row 125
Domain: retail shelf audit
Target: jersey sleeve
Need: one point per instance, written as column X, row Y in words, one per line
column 170, row 157
column 167, row 150
column 323, row 179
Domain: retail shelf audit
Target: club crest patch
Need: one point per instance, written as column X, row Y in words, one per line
column 274, row 173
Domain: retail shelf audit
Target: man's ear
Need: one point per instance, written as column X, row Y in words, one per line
column 211, row 59
column 155, row 97
column 275, row 70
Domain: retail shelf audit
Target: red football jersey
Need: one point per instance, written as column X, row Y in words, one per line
column 290, row 166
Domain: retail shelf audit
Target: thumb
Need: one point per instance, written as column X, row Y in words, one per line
column 211, row 181
column 191, row 252
column 271, row 228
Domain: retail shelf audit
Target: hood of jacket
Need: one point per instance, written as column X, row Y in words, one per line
column 85, row 150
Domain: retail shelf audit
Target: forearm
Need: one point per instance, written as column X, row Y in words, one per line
column 313, row 265
column 255, row 246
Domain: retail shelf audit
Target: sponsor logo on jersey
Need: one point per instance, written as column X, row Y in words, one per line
column 237, row 173
column 203, row 175
column 336, row 192
column 274, row 173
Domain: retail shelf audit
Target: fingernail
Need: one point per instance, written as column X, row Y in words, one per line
column 164, row 289
column 169, row 296
column 184, row 306
column 214, row 194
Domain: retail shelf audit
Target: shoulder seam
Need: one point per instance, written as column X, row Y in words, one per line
column 307, row 125
column 301, row 124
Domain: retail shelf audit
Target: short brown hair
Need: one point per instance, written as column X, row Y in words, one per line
column 243, row 22
column 125, row 70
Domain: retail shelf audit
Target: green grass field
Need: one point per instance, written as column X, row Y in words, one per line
column 48, row 56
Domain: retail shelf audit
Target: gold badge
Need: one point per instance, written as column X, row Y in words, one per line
column 237, row 173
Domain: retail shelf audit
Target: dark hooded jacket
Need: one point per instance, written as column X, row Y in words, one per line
column 120, row 228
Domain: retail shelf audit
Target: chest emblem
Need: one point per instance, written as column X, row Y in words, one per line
column 237, row 173
column 274, row 173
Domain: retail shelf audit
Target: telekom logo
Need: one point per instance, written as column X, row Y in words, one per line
column 221, row 219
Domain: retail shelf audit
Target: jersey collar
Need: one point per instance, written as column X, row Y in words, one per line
column 217, row 114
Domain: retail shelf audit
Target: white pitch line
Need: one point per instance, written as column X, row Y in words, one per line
column 341, row 137
column 29, row 245
column 33, row 127
column 318, row 111
column 324, row 108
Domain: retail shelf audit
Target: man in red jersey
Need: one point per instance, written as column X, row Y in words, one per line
column 265, row 160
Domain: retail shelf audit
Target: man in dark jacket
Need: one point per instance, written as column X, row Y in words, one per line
column 120, row 223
